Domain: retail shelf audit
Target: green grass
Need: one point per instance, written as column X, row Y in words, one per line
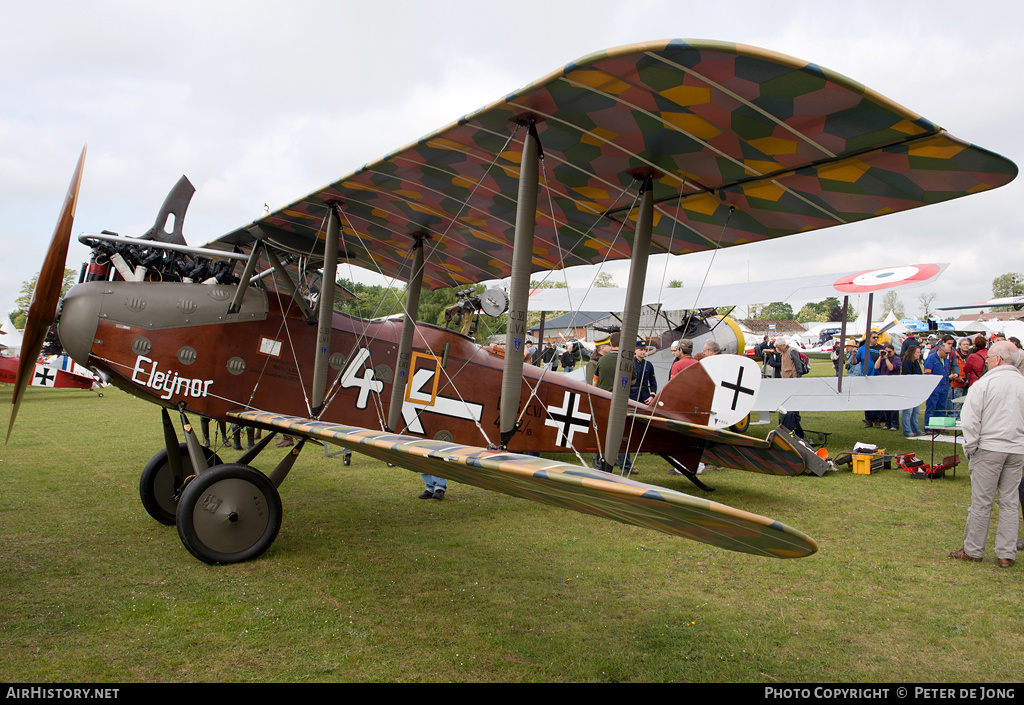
column 368, row 583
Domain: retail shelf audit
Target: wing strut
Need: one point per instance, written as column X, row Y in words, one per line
column 519, row 287
column 412, row 308
column 842, row 341
column 630, row 323
column 323, row 332
column 286, row 283
column 243, row 284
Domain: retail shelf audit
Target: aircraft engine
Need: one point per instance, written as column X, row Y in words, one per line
column 721, row 329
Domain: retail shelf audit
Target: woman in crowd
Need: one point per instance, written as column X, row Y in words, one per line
column 976, row 360
column 911, row 422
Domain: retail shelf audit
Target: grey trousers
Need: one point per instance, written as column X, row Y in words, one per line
column 993, row 474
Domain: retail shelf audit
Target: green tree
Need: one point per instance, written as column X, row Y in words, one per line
column 548, row 284
column 775, row 311
column 604, row 281
column 835, row 310
column 372, row 301
column 18, row 315
column 809, row 312
column 1009, row 284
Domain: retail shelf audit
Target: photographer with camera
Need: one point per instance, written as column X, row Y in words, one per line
column 889, row 363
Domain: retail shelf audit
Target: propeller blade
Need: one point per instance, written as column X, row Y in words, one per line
column 43, row 305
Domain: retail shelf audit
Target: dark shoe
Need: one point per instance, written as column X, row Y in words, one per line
column 1020, row 545
column 438, row 494
column 427, row 494
column 1005, row 562
column 285, row 442
column 962, row 555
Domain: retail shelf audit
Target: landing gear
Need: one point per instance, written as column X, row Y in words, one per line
column 229, row 514
column 158, row 486
column 742, row 425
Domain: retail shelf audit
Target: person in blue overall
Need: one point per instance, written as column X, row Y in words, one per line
column 938, row 363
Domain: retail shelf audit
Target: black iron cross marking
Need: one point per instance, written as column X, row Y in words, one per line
column 43, row 376
column 567, row 419
column 737, row 388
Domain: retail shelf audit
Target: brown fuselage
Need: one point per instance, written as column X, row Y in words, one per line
column 175, row 344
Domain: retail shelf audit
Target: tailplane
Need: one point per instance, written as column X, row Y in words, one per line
column 717, row 392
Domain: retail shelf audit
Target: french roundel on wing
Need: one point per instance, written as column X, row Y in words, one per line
column 887, row 278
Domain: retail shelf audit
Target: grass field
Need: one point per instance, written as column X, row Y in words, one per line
column 368, row 583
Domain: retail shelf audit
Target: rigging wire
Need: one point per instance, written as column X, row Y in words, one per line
column 361, row 337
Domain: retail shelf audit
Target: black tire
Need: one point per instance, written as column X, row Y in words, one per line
column 157, row 486
column 229, row 514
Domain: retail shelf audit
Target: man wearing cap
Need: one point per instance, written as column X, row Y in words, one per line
column 993, row 423
column 645, row 385
column 600, row 348
column 851, row 358
column 684, row 356
column 607, row 366
column 607, row 373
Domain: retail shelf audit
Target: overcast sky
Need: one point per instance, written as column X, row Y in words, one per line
column 263, row 102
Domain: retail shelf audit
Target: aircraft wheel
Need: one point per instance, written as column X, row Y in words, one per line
column 157, row 486
column 229, row 514
column 742, row 425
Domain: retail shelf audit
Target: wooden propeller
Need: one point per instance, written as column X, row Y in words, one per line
column 43, row 305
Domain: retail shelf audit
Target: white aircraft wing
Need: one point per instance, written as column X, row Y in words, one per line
column 1003, row 301
column 809, row 288
column 859, row 393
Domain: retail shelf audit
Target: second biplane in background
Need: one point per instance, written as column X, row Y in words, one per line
column 701, row 323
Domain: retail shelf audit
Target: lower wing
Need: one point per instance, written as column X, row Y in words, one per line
column 859, row 393
column 562, row 485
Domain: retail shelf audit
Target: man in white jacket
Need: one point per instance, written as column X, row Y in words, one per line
column 993, row 423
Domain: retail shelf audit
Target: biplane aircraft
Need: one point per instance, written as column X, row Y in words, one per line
column 44, row 375
column 57, row 372
column 671, row 146
column 702, row 323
